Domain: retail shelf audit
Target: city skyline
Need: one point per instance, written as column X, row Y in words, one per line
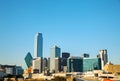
column 76, row 27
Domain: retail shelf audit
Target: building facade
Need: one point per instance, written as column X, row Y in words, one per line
column 28, row 59
column 19, row 70
column 37, row 65
column 45, row 63
column 85, row 55
column 104, row 57
column 48, row 63
column 65, row 55
column 57, row 65
column 38, row 45
column 54, row 52
column 90, row 64
column 75, row 64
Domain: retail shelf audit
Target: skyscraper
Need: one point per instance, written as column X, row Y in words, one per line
column 38, row 45
column 54, row 52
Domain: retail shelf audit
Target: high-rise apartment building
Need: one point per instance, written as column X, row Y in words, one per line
column 54, row 52
column 38, row 45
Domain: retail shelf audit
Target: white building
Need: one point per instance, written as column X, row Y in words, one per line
column 104, row 57
column 54, row 52
column 37, row 65
column 9, row 70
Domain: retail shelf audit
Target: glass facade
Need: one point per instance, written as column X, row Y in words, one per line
column 38, row 45
column 28, row 59
column 65, row 55
column 75, row 64
column 78, row 64
column 90, row 64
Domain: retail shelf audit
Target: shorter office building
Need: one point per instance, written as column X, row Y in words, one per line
column 85, row 55
column 37, row 65
column 75, row 64
column 65, row 55
column 57, row 65
column 44, row 64
column 19, row 70
column 48, row 63
column 90, row 64
column 2, row 73
column 10, row 70
column 79, row 64
column 28, row 59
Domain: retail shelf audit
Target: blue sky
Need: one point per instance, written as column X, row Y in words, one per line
column 76, row 26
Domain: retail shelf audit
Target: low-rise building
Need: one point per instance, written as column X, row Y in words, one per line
column 75, row 64
column 90, row 64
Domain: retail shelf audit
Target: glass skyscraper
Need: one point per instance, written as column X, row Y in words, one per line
column 38, row 45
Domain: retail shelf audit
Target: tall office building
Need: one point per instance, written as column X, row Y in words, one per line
column 54, row 52
column 104, row 57
column 38, row 45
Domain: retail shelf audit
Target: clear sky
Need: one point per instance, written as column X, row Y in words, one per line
column 76, row 26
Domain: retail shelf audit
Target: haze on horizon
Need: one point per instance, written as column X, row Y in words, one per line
column 80, row 26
